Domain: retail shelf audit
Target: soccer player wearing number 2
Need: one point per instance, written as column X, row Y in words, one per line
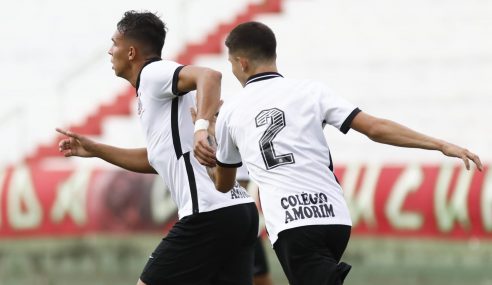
column 275, row 126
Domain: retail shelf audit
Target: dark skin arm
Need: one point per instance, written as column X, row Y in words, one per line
column 225, row 178
column 130, row 159
column 389, row 132
column 207, row 83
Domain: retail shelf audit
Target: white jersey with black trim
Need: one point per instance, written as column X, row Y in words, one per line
column 275, row 126
column 166, row 120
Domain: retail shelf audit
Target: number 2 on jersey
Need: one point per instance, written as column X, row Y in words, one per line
column 275, row 119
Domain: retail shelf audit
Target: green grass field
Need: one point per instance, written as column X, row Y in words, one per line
column 102, row 260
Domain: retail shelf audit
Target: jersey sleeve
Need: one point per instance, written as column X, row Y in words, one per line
column 337, row 111
column 227, row 152
column 161, row 79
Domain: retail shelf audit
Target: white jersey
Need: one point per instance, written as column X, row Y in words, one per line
column 166, row 119
column 275, row 126
column 242, row 174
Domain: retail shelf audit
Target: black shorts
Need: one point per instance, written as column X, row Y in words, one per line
column 310, row 255
column 261, row 262
column 207, row 248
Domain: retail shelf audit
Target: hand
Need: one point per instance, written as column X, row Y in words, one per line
column 204, row 152
column 204, row 145
column 459, row 152
column 75, row 145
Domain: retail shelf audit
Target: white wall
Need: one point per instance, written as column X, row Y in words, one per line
column 424, row 63
column 55, row 67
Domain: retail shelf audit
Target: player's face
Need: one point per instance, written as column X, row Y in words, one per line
column 119, row 51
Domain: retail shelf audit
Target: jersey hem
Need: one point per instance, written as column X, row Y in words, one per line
column 188, row 212
column 273, row 237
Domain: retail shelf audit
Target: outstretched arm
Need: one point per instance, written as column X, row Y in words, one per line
column 131, row 159
column 389, row 132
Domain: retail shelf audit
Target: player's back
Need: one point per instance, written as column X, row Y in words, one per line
column 277, row 124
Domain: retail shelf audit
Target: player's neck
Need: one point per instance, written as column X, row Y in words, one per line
column 136, row 67
column 260, row 69
column 264, row 68
column 134, row 72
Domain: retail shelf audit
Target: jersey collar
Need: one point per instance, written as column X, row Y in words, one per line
column 147, row 62
column 262, row 76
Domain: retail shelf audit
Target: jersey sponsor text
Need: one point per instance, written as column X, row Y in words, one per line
column 306, row 206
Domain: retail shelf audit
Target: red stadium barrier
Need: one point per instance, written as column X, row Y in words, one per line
column 399, row 201
column 419, row 200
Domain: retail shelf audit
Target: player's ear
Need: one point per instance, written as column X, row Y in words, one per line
column 244, row 64
column 131, row 53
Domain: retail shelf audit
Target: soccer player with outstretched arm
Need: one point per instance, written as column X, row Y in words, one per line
column 212, row 243
column 275, row 126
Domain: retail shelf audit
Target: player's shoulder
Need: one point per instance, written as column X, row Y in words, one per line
column 313, row 83
column 157, row 74
column 159, row 67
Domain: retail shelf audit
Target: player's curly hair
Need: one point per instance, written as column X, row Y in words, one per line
column 146, row 28
column 254, row 39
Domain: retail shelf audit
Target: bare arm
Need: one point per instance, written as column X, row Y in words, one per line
column 207, row 84
column 225, row 178
column 131, row 159
column 389, row 132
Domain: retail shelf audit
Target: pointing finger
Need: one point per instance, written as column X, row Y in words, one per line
column 68, row 133
column 63, row 132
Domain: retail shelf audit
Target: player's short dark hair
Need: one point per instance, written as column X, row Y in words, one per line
column 144, row 27
column 255, row 40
